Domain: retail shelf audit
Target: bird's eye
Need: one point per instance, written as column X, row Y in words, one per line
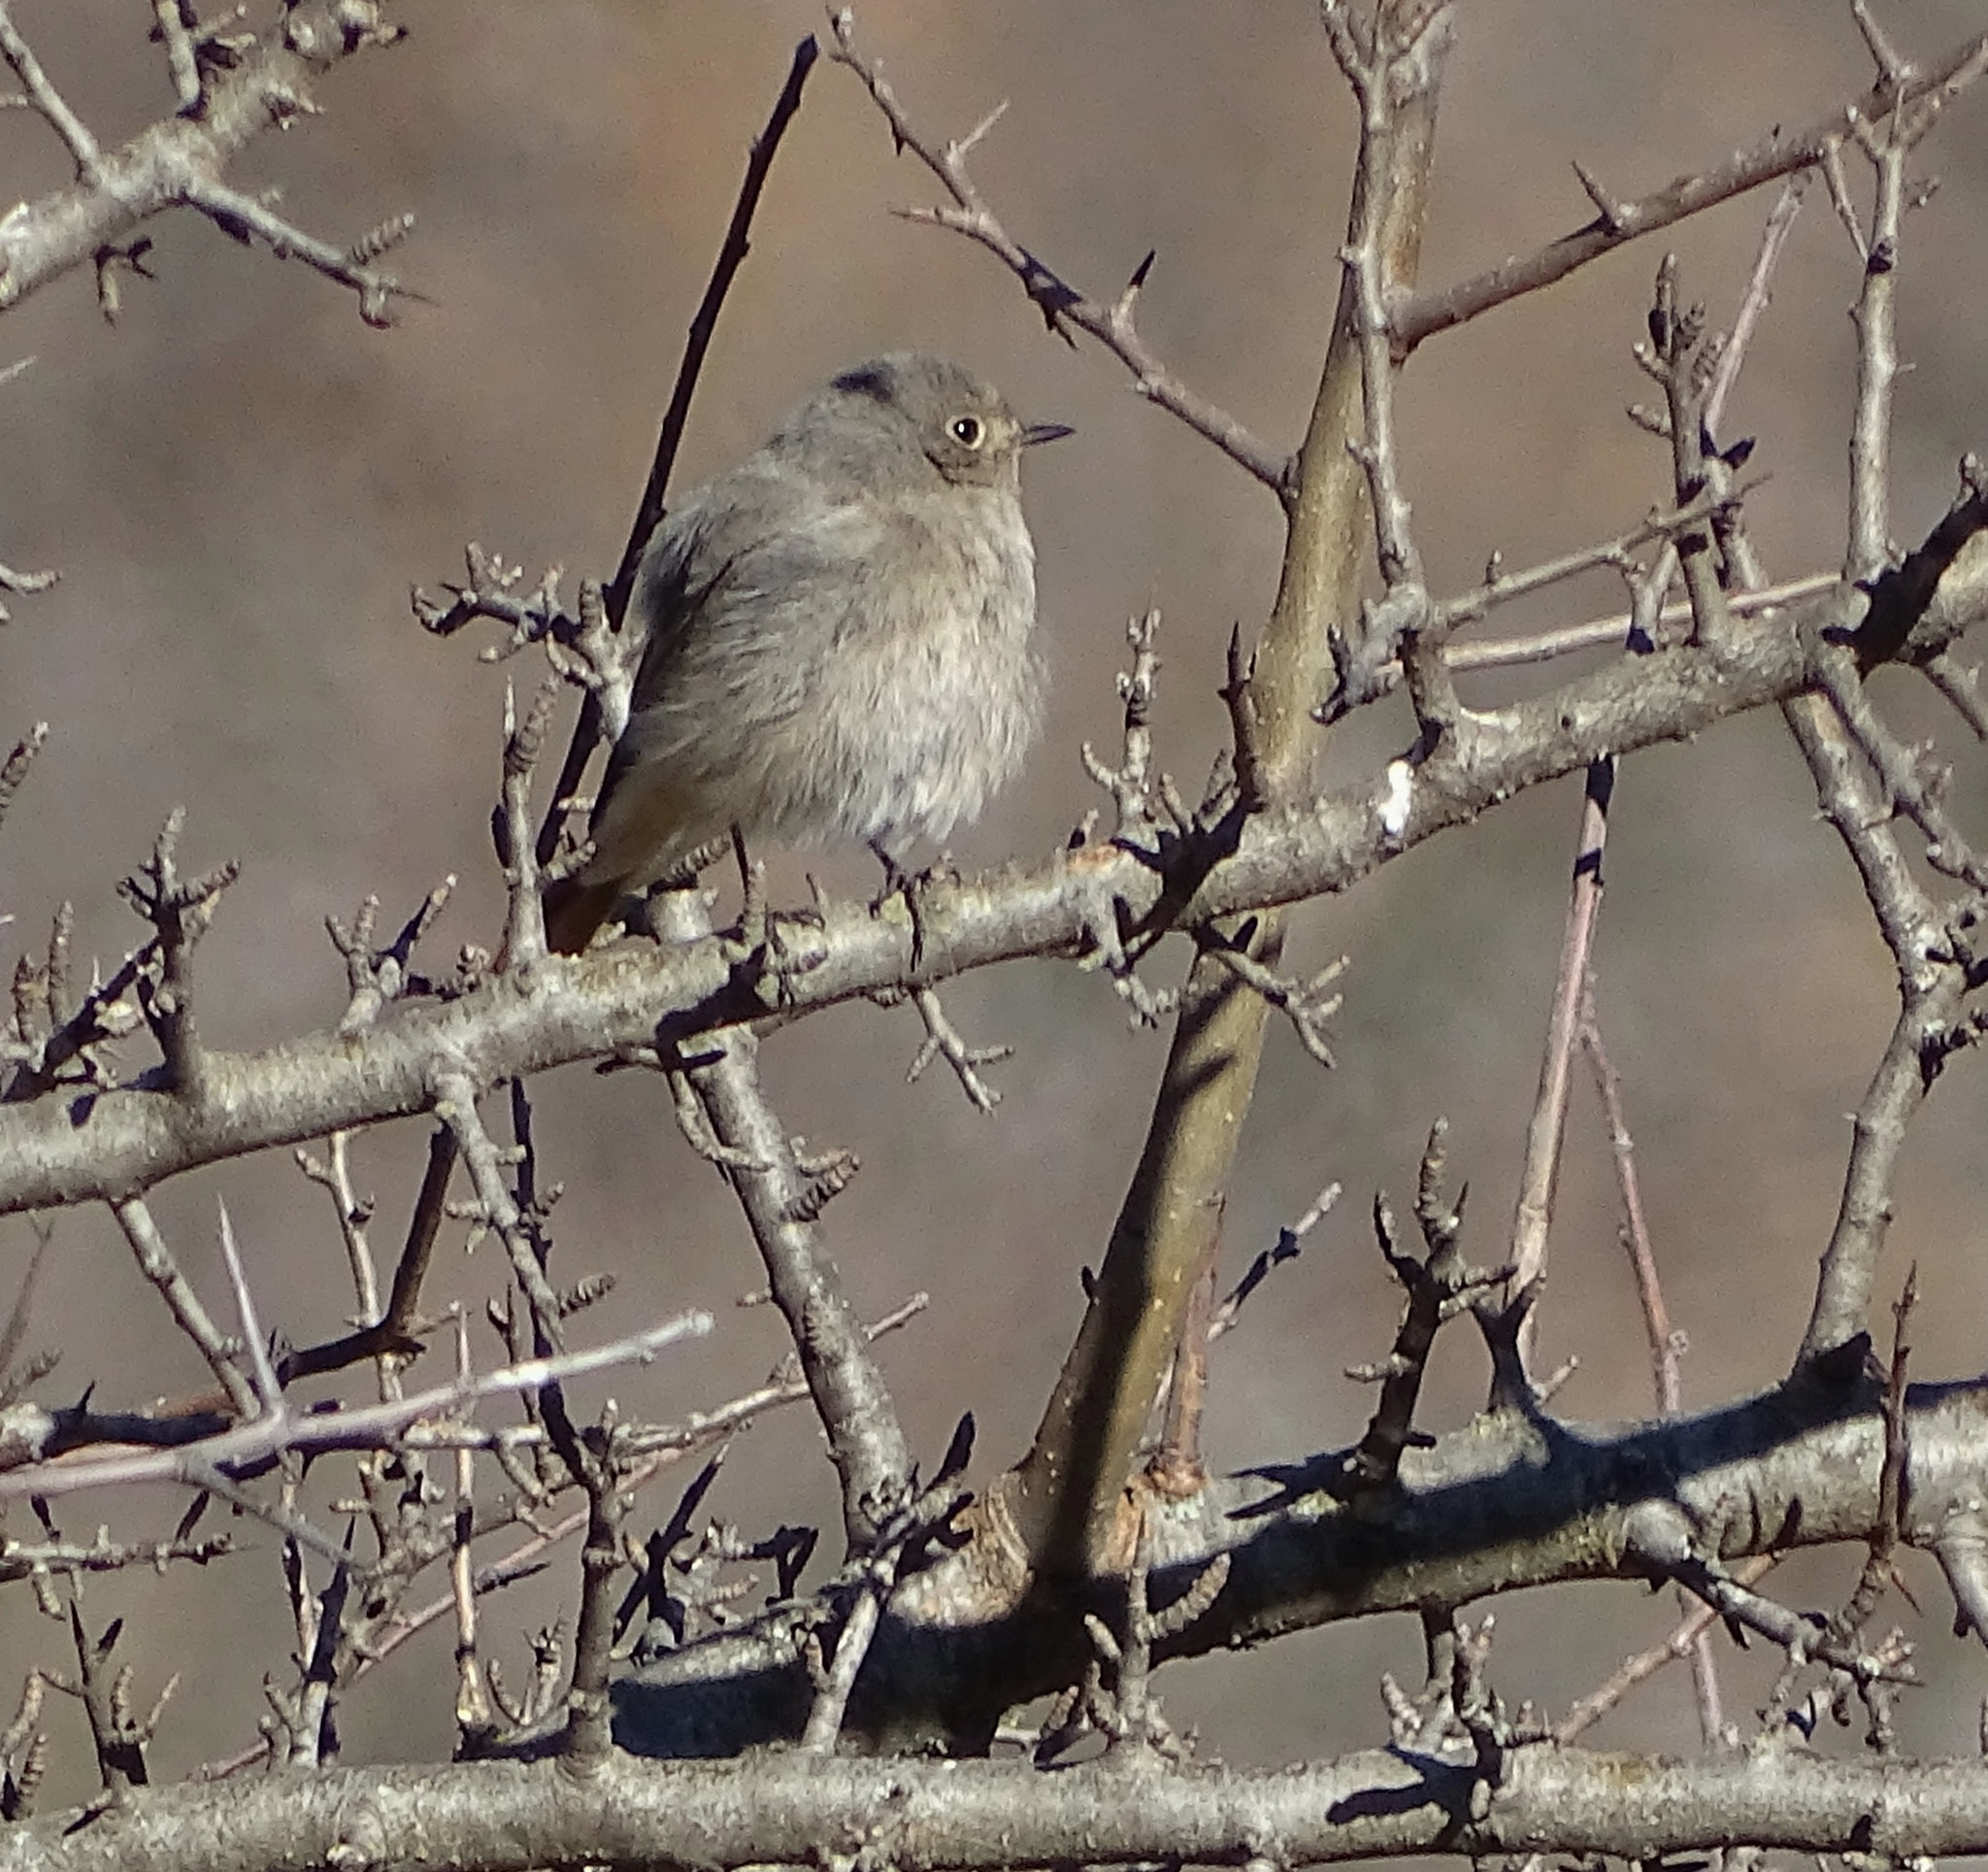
column 969, row 431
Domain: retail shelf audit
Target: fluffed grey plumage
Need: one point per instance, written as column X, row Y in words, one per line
column 838, row 643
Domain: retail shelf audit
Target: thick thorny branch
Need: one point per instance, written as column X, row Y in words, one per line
column 618, row 1000
column 1513, row 1500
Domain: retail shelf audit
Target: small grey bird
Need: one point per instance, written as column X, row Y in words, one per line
column 838, row 639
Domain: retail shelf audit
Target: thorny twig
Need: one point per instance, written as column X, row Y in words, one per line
column 1778, row 153
column 379, row 977
column 1681, row 1642
column 1438, row 1287
column 180, row 911
column 1287, row 1247
column 14, row 769
column 1061, row 304
column 247, row 1446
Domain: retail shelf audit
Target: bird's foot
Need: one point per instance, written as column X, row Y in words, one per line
column 917, row 888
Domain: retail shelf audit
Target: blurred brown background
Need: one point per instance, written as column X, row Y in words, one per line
column 240, row 482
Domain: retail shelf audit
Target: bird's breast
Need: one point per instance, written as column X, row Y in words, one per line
column 934, row 694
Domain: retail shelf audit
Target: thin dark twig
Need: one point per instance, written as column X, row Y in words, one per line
column 704, row 325
column 1287, row 1247
column 1636, row 1235
column 1663, row 1342
column 595, row 721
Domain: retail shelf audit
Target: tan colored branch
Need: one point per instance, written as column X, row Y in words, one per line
column 1066, row 1498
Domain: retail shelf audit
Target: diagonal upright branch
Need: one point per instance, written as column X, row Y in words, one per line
column 1066, row 1498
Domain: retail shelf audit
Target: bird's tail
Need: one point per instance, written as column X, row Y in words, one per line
column 575, row 908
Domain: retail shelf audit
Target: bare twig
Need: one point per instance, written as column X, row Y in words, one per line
column 267, row 1387
column 1607, row 633
column 1773, row 156
column 48, row 102
column 1753, row 302
column 1875, row 315
column 14, row 769
column 1130, row 784
column 156, row 1262
column 1502, row 587
column 180, row 910
column 1664, row 1343
column 1061, row 304
column 372, row 1426
column 1880, row 1566
column 1287, row 1247
column 472, row 1707
column 254, row 81
column 455, row 1105
column 524, row 920
column 1681, row 1642
column 378, row 978
column 704, row 322
column 246, row 218
column 782, row 1199
column 1438, row 1287
column 1636, row 1237
column 1539, row 1174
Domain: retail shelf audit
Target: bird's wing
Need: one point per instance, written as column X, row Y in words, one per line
column 747, row 589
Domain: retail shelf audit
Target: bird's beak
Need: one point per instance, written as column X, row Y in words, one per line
column 1035, row 432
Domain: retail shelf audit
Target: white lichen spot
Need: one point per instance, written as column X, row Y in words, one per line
column 1395, row 802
